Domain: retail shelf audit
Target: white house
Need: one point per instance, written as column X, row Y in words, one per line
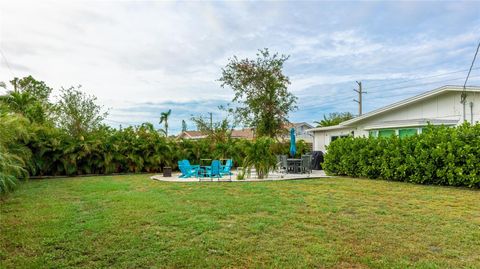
column 441, row 106
column 301, row 133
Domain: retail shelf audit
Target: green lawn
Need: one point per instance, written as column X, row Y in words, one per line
column 135, row 222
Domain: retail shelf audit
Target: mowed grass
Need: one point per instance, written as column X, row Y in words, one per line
column 135, row 222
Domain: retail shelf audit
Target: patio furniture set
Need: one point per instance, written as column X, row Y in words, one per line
column 294, row 166
column 215, row 170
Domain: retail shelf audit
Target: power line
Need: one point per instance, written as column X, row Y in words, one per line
column 464, row 92
column 6, row 62
column 471, row 66
column 412, row 92
column 410, row 86
column 422, row 84
column 403, row 87
column 306, row 108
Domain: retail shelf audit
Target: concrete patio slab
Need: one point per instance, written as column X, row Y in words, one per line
column 271, row 177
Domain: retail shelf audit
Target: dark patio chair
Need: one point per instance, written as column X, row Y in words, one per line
column 306, row 164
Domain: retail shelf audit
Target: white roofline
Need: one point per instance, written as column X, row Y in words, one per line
column 327, row 128
column 409, row 101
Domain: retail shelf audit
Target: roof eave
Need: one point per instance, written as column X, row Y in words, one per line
column 327, row 128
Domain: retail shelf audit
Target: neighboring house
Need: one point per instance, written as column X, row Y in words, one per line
column 408, row 117
column 300, row 132
column 246, row 133
column 249, row 133
column 193, row 135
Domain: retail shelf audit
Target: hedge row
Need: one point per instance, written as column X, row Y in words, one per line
column 440, row 155
column 52, row 152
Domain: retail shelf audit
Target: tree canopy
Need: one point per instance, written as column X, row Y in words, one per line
column 164, row 119
column 334, row 119
column 220, row 131
column 29, row 98
column 78, row 113
column 261, row 97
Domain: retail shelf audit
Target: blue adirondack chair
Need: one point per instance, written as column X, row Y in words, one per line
column 214, row 170
column 187, row 169
column 226, row 169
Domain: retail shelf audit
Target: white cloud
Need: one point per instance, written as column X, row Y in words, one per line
column 132, row 53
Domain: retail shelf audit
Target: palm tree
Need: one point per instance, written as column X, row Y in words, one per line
column 13, row 156
column 334, row 119
column 17, row 101
column 164, row 119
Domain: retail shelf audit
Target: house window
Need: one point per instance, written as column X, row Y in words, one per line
column 407, row 132
column 386, row 133
column 335, row 137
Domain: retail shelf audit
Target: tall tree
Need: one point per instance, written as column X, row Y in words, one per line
column 261, row 98
column 30, row 98
column 78, row 113
column 334, row 119
column 216, row 131
column 36, row 88
column 164, row 119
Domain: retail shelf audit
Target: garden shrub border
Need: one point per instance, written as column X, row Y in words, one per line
column 440, row 155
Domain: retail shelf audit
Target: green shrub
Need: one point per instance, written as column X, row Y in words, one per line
column 13, row 155
column 129, row 150
column 440, row 155
column 260, row 156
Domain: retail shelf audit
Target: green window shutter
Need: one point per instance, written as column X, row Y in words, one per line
column 407, row 132
column 371, row 133
column 386, row 133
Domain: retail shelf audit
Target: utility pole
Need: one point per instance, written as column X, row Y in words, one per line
column 359, row 101
column 464, row 92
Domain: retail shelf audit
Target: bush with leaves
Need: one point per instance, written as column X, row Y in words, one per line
column 13, row 155
column 260, row 156
column 68, row 138
column 440, row 155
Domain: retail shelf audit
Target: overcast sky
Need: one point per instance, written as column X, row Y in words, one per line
column 142, row 58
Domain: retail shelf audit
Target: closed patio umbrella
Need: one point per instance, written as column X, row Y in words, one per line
column 293, row 147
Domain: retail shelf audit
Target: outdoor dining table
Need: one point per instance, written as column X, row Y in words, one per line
column 205, row 162
column 294, row 166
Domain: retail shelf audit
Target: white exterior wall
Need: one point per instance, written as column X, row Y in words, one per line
column 475, row 99
column 322, row 139
column 445, row 106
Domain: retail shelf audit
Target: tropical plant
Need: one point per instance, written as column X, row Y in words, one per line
column 29, row 98
column 78, row 113
column 261, row 98
column 334, row 119
column 164, row 119
column 217, row 132
column 13, row 155
column 260, row 156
